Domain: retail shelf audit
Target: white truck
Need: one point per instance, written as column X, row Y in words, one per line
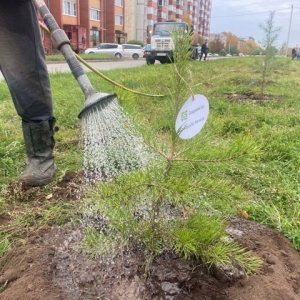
column 161, row 45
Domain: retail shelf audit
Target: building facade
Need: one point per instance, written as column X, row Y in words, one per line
column 89, row 22
column 196, row 13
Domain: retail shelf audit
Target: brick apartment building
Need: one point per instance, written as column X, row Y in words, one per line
column 142, row 14
column 89, row 22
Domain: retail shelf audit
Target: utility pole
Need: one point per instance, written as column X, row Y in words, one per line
column 287, row 42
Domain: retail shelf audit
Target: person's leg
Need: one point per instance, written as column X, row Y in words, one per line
column 24, row 68
column 22, row 60
column 201, row 55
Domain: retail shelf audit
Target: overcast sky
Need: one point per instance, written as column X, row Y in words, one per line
column 242, row 18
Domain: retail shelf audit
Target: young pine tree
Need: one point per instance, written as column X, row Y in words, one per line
column 271, row 34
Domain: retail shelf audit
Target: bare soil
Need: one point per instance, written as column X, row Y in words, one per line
column 253, row 97
column 49, row 265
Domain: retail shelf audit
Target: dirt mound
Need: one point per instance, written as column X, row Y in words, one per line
column 50, row 266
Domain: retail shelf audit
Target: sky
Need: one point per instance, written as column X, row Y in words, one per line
column 243, row 17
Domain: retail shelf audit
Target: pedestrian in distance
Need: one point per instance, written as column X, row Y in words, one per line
column 194, row 43
column 294, row 53
column 204, row 50
column 298, row 54
column 23, row 65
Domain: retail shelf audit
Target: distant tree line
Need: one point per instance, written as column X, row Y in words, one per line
column 234, row 46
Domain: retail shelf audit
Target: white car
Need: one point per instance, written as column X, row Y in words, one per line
column 106, row 48
column 131, row 50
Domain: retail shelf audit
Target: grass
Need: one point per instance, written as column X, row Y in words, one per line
column 266, row 185
column 89, row 57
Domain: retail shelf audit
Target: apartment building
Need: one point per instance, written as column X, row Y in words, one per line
column 68, row 17
column 89, row 22
column 142, row 14
column 136, row 20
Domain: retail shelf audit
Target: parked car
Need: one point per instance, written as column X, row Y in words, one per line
column 106, row 48
column 131, row 50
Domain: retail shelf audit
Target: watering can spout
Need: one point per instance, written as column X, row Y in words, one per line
column 94, row 101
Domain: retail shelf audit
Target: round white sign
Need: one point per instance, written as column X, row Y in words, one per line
column 192, row 116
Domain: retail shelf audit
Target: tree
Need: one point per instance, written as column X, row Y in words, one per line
column 234, row 50
column 253, row 48
column 135, row 42
column 216, row 45
column 158, row 208
column 186, row 17
column 231, row 41
column 270, row 36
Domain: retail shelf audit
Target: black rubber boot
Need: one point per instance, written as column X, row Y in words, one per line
column 39, row 143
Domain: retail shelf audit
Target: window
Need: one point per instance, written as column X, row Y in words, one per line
column 95, row 14
column 69, row 8
column 103, row 46
column 119, row 20
column 119, row 2
column 162, row 2
column 112, row 46
column 128, row 46
column 94, row 36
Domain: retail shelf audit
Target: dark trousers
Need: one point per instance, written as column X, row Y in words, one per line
column 22, row 60
column 203, row 53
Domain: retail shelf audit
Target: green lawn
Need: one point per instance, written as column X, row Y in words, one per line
column 265, row 184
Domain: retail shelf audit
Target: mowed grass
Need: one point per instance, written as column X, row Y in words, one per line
column 93, row 56
column 268, row 188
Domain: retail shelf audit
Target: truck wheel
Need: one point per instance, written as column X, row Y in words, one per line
column 150, row 61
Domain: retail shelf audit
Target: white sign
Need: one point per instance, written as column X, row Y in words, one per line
column 192, row 117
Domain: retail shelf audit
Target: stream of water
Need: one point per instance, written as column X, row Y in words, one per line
column 112, row 144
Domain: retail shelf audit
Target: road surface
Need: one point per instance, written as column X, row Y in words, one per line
column 99, row 65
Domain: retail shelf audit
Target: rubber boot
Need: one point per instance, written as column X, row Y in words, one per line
column 39, row 143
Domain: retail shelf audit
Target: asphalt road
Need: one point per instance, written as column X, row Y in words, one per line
column 99, row 65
